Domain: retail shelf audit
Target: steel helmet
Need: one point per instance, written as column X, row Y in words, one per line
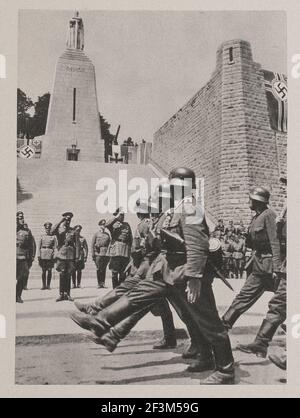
column 261, row 194
column 182, row 176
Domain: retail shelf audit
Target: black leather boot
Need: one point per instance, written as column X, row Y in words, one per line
column 260, row 346
column 44, row 286
column 224, row 373
column 230, row 318
column 169, row 339
column 49, row 277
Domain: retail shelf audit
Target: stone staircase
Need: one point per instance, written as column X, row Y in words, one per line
column 47, row 189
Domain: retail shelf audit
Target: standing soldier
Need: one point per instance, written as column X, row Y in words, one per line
column 227, row 250
column 265, row 261
column 80, row 263
column 120, row 246
column 99, row 248
column 46, row 255
column 238, row 256
column 24, row 251
column 31, row 254
column 68, row 252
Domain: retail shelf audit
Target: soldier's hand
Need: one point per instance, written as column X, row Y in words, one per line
column 193, row 289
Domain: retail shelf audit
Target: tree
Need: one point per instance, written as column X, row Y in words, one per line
column 39, row 121
column 23, row 104
column 106, row 136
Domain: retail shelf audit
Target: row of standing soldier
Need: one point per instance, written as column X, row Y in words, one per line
column 66, row 246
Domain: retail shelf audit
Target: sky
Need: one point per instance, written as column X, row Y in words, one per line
column 148, row 64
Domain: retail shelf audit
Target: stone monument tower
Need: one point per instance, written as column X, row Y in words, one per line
column 73, row 127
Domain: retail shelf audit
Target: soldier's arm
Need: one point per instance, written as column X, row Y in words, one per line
column 55, row 228
column 77, row 247
column 110, row 222
column 196, row 241
column 270, row 223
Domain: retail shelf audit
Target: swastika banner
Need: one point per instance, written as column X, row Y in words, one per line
column 276, row 91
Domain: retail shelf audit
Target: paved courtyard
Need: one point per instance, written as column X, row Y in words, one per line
column 51, row 349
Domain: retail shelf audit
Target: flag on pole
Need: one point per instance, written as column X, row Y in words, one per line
column 276, row 91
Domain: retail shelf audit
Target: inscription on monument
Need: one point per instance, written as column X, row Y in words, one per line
column 75, row 69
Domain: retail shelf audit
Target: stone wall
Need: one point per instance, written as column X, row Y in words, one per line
column 224, row 134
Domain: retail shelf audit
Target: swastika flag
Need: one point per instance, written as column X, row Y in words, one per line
column 277, row 94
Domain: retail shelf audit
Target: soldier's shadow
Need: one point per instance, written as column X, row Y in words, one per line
column 240, row 374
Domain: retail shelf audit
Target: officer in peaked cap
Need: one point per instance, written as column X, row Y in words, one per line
column 99, row 249
column 265, row 267
column 68, row 253
column 120, row 246
column 46, row 255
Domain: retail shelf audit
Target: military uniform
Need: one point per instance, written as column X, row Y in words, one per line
column 265, row 261
column 238, row 256
column 46, row 255
column 68, row 251
column 24, row 252
column 136, row 273
column 168, row 276
column 119, row 249
column 276, row 314
column 80, row 263
column 99, row 248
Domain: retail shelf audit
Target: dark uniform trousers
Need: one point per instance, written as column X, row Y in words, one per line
column 162, row 309
column 21, row 274
column 202, row 317
column 263, row 240
column 277, row 306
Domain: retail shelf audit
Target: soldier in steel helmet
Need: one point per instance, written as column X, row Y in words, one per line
column 180, row 272
column 265, row 266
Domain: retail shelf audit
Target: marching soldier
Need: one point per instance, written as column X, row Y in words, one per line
column 24, row 252
column 99, row 248
column 68, row 252
column 276, row 314
column 46, row 255
column 265, row 265
column 182, row 274
column 142, row 257
column 120, row 246
column 83, row 255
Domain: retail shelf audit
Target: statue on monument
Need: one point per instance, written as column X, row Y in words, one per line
column 75, row 36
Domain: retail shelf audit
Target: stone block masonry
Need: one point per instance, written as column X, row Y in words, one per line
column 224, row 134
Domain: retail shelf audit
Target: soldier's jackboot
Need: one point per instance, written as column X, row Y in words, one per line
column 49, row 278
column 230, row 317
column 99, row 304
column 74, row 279
column 115, row 279
column 44, row 285
column 191, row 351
column 79, row 275
column 205, row 358
column 169, row 339
column 261, row 343
column 117, row 333
column 224, row 373
column 104, row 320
